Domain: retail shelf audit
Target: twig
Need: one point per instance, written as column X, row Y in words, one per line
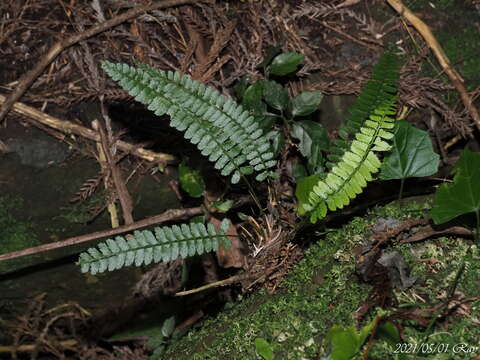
column 169, row 215
column 230, row 280
column 28, row 78
column 432, row 42
column 71, row 128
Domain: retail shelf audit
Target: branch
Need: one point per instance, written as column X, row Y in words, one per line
column 28, row 78
column 71, row 128
column 432, row 42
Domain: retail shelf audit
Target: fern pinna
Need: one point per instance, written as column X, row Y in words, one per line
column 161, row 244
column 220, row 128
column 353, row 161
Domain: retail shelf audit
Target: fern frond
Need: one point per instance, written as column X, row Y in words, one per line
column 161, row 244
column 357, row 165
column 353, row 161
column 220, row 128
column 381, row 88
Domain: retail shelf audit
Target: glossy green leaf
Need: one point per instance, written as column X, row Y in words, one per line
column 191, row 180
column 275, row 95
column 463, row 195
column 412, row 154
column 306, row 103
column 252, row 98
column 272, row 51
column 285, row 63
column 263, row 349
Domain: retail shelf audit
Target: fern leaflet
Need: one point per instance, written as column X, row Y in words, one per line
column 220, row 128
column 161, row 244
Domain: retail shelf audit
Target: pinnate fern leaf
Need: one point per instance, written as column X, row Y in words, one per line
column 161, row 244
column 353, row 161
column 220, row 128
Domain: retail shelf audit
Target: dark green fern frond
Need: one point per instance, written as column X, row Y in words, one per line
column 161, row 244
column 220, row 128
column 380, row 89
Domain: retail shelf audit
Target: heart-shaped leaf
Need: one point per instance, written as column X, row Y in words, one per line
column 412, row 154
column 306, row 103
column 463, row 195
column 285, row 63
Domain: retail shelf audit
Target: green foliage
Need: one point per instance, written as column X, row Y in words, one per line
column 306, row 103
column 191, row 180
column 353, row 160
column 161, row 244
column 285, row 63
column 312, row 140
column 220, row 128
column 463, row 196
column 346, row 342
column 263, row 349
column 412, row 154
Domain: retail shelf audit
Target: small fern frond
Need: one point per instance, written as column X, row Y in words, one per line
column 161, row 244
column 357, row 165
column 220, row 128
column 353, row 161
column 381, row 88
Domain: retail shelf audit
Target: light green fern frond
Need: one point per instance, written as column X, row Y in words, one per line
column 353, row 161
column 220, row 128
column 161, row 244
column 350, row 175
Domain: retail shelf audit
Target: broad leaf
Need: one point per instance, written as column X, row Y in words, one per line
column 275, row 95
column 263, row 349
column 302, row 192
column 252, row 98
column 285, row 63
column 306, row 103
column 191, row 180
column 463, row 195
column 412, row 154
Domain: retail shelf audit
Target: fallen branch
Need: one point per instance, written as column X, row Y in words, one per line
column 432, row 42
column 71, row 128
column 169, row 215
column 28, row 78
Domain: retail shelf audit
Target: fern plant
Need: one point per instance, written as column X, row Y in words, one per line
column 161, row 244
column 353, row 160
column 220, row 128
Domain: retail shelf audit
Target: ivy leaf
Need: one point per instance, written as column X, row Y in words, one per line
column 275, row 95
column 412, row 154
column 463, row 195
column 191, row 180
column 285, row 63
column 263, row 349
column 306, row 103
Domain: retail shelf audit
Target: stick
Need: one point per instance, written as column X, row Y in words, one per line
column 71, row 128
column 173, row 214
column 28, row 78
column 432, row 42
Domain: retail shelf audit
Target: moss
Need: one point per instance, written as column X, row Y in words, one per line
column 322, row 291
column 14, row 234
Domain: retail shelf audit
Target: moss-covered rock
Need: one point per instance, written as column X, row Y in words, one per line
column 323, row 290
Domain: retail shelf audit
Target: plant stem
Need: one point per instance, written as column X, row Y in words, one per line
column 400, row 193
